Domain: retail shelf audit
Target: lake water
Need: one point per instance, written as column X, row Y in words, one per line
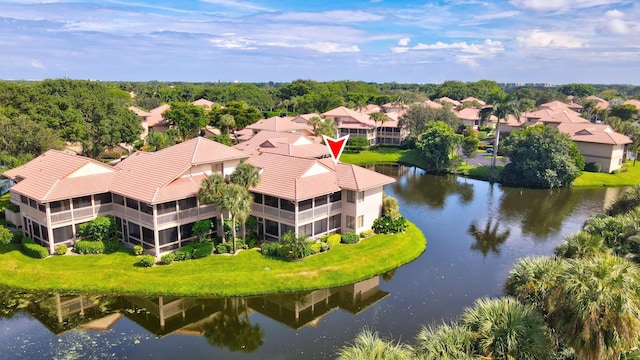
column 475, row 232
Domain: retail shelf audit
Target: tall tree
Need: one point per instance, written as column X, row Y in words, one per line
column 188, row 118
column 501, row 106
column 379, row 117
column 245, row 175
column 209, row 193
column 437, row 144
column 328, row 127
column 417, row 117
column 237, row 200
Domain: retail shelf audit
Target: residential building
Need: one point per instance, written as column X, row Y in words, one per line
column 153, row 196
column 354, row 123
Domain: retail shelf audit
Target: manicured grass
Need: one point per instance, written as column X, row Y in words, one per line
column 628, row 178
column 384, row 155
column 248, row 273
column 485, row 173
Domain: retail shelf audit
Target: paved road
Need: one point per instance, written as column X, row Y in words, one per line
column 484, row 159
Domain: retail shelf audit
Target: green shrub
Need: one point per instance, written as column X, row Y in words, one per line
column 202, row 249
column 147, row 261
column 183, row 254
column 385, row 225
column 31, row 249
column 269, row 249
column 593, row 167
column 6, row 236
column 283, row 251
column 167, row 259
column 224, row 248
column 89, row 247
column 367, row 233
column 333, row 240
column 61, row 249
column 17, row 238
column 111, row 245
column 316, row 247
column 349, row 238
column 324, row 246
column 138, row 250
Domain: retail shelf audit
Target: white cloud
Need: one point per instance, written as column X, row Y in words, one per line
column 404, row 41
column 468, row 60
column 319, row 46
column 480, row 19
column 237, row 4
column 613, row 22
column 561, row 5
column 487, row 47
column 334, row 17
column 238, row 43
column 37, row 64
column 540, row 38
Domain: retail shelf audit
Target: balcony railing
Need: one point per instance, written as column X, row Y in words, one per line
column 61, row 216
column 167, row 218
column 83, row 213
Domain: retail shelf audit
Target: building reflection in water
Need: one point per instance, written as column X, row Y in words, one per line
column 225, row 322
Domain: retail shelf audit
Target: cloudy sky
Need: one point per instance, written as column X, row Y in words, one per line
column 556, row 41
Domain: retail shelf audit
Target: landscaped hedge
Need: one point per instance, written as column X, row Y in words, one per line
column 194, row 250
column 89, row 247
column 270, row 248
column 147, row 261
column 224, row 248
column 333, row 240
column 349, row 238
column 167, row 259
column 61, row 249
column 386, row 225
column 31, row 249
column 593, row 167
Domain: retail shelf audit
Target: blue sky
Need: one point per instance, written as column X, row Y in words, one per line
column 556, row 41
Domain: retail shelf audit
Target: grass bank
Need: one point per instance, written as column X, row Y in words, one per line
column 629, row 178
column 385, row 155
column 248, row 273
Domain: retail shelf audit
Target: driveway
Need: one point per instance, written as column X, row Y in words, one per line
column 484, row 159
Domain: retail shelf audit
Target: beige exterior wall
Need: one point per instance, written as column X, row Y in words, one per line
column 12, row 217
column 369, row 208
column 610, row 157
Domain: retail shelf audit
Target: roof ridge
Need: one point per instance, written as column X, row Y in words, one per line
column 50, row 188
column 195, row 149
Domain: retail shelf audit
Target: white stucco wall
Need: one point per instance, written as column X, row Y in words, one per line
column 370, row 208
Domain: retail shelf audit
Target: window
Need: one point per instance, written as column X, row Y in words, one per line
column 271, row 227
column 287, row 205
column 305, row 205
column 166, row 208
column 360, row 221
column 188, row 203
column 33, row 203
column 145, row 208
column 147, row 235
column 351, row 222
column 351, row 196
column 41, row 207
column 271, row 201
column 320, row 200
column 186, row 231
column 104, row 198
column 334, row 222
column 118, row 199
column 257, row 198
column 118, row 225
column 306, row 229
column 132, row 204
column 24, row 199
column 284, row 228
column 44, row 233
column 335, row 197
column 361, row 196
column 168, row 235
column 58, row 206
column 320, row 226
column 62, row 234
column 36, row 229
column 134, row 230
column 82, row 202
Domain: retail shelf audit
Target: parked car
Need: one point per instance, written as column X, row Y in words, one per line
column 489, row 150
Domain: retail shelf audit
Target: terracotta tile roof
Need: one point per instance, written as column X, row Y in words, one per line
column 344, row 112
column 471, row 114
column 554, row 115
column 143, row 175
column 299, row 179
column 156, row 116
column 139, row 111
column 593, row 133
column 431, row 104
column 204, row 103
column 303, row 118
column 633, row 102
column 370, row 108
column 281, row 124
column 244, row 134
column 283, row 143
column 450, row 101
column 600, row 103
column 52, row 176
column 472, row 99
column 557, row 105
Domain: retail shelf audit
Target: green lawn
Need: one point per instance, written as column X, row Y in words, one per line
column 383, row 155
column 248, row 273
column 485, row 173
column 628, row 178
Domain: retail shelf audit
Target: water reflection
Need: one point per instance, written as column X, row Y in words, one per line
column 224, row 322
column 419, row 188
column 489, row 238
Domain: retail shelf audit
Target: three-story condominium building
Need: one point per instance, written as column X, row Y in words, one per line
column 153, row 196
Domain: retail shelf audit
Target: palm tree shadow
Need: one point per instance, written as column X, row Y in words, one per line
column 489, row 239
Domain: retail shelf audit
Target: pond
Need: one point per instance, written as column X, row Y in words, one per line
column 475, row 232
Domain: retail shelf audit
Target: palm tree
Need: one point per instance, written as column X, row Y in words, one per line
column 446, row 342
column 501, row 106
column 209, row 193
column 369, row 346
column 314, row 122
column 235, row 199
column 581, row 245
column 248, row 176
column 488, row 239
column 507, row 329
column 597, row 308
column 327, row 127
column 532, row 280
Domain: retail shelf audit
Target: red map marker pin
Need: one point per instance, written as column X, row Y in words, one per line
column 335, row 146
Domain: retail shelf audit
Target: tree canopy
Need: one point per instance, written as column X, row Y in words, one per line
column 418, row 116
column 541, row 157
column 437, row 144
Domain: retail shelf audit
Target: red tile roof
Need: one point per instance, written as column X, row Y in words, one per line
column 280, row 124
column 593, row 133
